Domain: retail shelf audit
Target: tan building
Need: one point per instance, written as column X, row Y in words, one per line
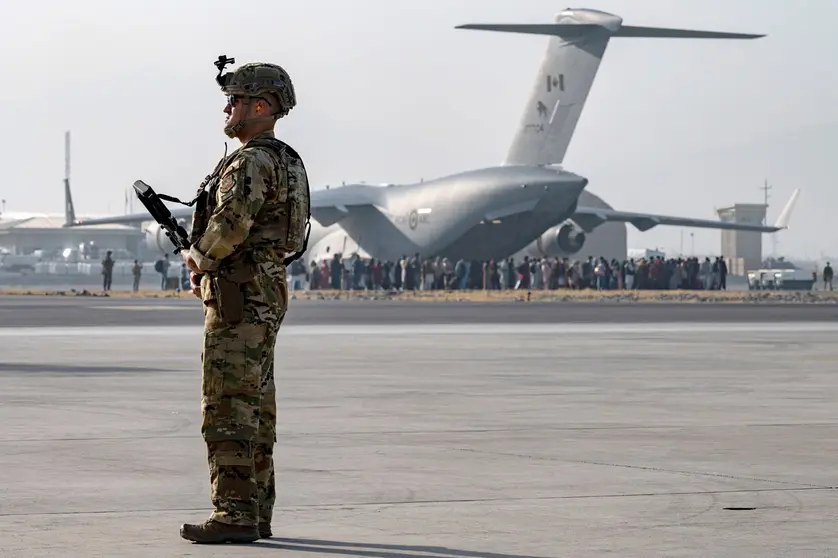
column 742, row 247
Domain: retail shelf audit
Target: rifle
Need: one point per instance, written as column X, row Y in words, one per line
column 153, row 203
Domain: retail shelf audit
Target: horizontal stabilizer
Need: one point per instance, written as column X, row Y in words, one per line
column 666, row 33
column 570, row 30
column 556, row 29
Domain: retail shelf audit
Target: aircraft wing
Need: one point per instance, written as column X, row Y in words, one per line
column 330, row 206
column 327, row 207
column 588, row 218
column 131, row 218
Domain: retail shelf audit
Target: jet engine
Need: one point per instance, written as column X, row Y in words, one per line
column 562, row 240
column 570, row 239
column 157, row 241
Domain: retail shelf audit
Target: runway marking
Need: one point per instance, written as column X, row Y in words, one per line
column 400, row 330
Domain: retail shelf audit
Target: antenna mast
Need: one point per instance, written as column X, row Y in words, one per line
column 765, row 188
column 69, row 212
column 67, row 156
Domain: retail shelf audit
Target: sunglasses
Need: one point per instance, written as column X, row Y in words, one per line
column 232, row 99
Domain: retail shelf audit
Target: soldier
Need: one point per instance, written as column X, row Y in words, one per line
column 107, row 271
column 251, row 213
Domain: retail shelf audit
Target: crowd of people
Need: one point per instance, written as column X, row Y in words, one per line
column 422, row 274
column 417, row 273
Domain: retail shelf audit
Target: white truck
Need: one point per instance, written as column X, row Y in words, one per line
column 644, row 253
column 12, row 263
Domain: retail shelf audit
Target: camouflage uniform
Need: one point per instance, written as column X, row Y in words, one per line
column 255, row 215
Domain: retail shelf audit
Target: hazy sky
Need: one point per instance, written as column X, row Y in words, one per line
column 389, row 91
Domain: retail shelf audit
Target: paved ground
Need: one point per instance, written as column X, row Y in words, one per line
column 451, row 441
column 36, row 311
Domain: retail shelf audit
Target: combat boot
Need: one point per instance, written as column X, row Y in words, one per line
column 265, row 531
column 215, row 532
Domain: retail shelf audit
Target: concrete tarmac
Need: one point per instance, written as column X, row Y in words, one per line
column 58, row 311
column 500, row 440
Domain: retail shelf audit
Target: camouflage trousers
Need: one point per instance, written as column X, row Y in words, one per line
column 238, row 406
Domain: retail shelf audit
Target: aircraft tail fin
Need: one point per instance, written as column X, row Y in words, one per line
column 578, row 41
column 69, row 210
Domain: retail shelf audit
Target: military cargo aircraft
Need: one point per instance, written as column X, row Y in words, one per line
column 496, row 211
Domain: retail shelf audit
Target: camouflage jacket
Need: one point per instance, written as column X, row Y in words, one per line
column 256, row 210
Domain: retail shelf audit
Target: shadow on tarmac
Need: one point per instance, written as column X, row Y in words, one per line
column 342, row 548
column 55, row 368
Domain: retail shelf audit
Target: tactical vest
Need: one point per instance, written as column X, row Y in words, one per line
column 289, row 236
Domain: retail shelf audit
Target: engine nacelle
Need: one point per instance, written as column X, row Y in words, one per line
column 570, row 239
column 156, row 239
column 561, row 240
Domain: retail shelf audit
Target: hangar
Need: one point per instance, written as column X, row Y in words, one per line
column 28, row 234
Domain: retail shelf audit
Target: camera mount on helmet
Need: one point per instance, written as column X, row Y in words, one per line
column 220, row 64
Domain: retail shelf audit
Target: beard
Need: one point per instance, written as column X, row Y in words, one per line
column 230, row 129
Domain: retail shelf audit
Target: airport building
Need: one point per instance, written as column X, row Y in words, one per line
column 46, row 234
column 742, row 249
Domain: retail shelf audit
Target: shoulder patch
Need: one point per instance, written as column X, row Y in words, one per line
column 227, row 182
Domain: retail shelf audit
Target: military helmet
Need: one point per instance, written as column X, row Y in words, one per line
column 258, row 78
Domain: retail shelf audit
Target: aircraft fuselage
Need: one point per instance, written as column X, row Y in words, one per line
column 445, row 217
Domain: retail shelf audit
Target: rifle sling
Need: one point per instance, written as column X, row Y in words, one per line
column 174, row 199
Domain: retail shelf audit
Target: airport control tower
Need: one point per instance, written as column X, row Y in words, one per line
column 742, row 248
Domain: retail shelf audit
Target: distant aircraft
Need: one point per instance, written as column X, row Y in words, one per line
column 493, row 212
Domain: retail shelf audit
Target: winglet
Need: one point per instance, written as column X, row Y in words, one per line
column 783, row 219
